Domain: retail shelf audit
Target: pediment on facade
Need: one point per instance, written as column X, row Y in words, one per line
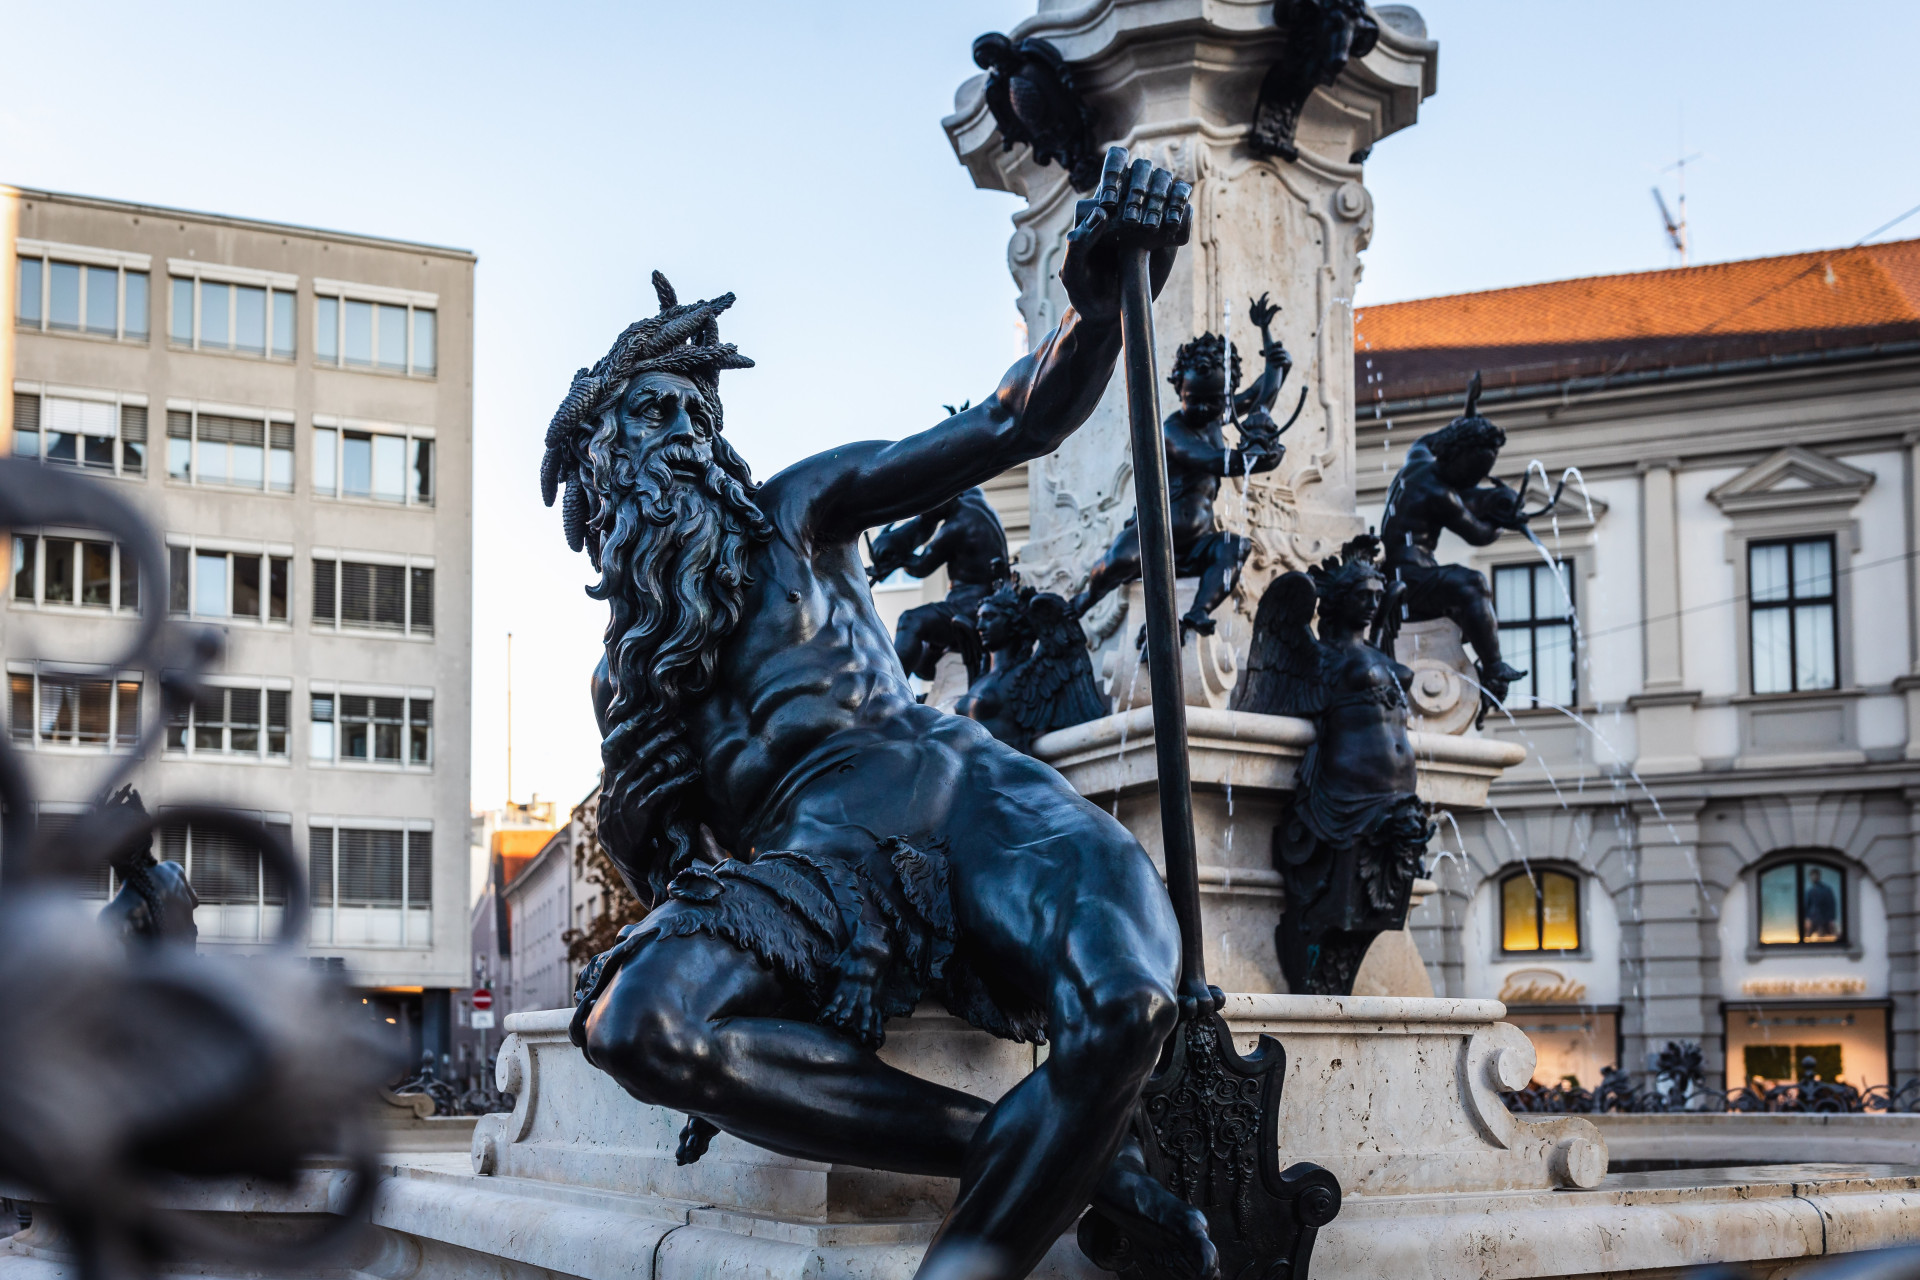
column 1793, row 477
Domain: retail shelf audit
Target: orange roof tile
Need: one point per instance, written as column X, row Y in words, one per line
column 1648, row 319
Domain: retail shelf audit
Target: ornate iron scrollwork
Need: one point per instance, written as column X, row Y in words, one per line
column 133, row 1061
column 1208, row 1125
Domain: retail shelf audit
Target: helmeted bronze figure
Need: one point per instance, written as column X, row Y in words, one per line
column 1041, row 678
column 1438, row 489
column 870, row 849
column 1354, row 834
column 1206, row 373
column 155, row 902
column 962, row 535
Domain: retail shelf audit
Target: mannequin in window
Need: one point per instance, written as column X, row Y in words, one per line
column 1821, row 910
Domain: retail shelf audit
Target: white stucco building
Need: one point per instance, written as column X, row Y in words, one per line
column 1714, row 838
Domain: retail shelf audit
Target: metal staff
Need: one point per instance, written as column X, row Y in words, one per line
column 1153, row 520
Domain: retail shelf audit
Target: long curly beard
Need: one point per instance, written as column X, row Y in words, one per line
column 673, row 556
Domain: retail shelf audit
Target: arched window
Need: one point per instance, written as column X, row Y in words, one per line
column 1539, row 911
column 1803, row 902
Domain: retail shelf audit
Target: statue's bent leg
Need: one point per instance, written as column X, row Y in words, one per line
column 1219, row 562
column 1105, row 940
column 692, row 1024
column 1119, row 566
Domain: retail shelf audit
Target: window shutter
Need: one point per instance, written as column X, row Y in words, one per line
column 282, row 434
column 219, row 429
column 356, row 592
column 325, row 575
column 224, row 870
column 369, row 867
column 389, row 596
column 179, row 424
column 320, row 864
column 274, row 882
column 419, row 868
column 133, row 423
column 26, row 412
column 423, row 601
column 177, row 578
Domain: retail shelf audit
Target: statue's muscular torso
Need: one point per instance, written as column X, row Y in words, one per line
column 809, row 660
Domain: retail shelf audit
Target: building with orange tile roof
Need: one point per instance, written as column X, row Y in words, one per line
column 1720, row 625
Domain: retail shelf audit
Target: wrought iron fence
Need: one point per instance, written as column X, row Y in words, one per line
column 1678, row 1083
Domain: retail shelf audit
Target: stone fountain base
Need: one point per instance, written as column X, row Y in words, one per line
column 1397, row 1097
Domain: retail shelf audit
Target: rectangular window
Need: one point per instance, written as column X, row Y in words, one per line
column 62, row 563
column 360, row 333
column 356, row 465
column 1793, row 617
column 390, row 468
column 283, row 324
column 215, row 316
column 63, row 296
column 1534, row 604
column 26, row 558
column 26, row 425
column 74, row 297
column 419, row 730
column 137, row 306
column 320, row 739
column 326, row 576
column 423, row 472
column 252, row 320
column 222, row 449
column 325, row 442
column 383, row 466
column 326, row 330
column 354, row 867
column 378, row 597
column 239, row 585
column 371, row 727
column 133, row 439
column 179, row 579
column 32, row 279
column 424, row 340
column 392, row 328
column 210, row 579
column 280, row 457
column 420, row 600
column 358, row 342
column 54, row 708
column 232, row 720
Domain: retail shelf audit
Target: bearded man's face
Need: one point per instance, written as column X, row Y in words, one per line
column 664, row 414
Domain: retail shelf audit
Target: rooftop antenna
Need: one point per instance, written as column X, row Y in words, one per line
column 1677, row 226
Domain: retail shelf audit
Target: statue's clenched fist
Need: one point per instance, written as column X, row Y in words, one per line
column 1136, row 207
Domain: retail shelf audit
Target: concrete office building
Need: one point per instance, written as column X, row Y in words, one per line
column 292, row 410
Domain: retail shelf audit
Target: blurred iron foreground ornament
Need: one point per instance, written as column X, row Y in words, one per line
column 134, row 1064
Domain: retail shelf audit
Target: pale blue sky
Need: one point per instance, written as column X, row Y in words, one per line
column 792, row 153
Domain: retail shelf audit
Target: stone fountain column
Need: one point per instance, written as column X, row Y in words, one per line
column 1177, row 80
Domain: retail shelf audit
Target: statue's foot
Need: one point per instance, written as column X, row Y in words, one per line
column 695, row 1137
column 1198, row 623
column 854, row 1006
column 1133, row 1214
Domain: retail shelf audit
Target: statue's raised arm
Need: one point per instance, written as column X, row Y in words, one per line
column 1045, row 396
